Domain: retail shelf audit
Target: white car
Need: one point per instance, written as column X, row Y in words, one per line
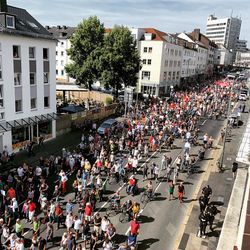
column 243, row 97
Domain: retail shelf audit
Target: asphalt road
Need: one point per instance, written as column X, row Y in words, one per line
column 160, row 219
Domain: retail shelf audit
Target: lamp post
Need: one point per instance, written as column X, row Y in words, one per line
column 225, row 137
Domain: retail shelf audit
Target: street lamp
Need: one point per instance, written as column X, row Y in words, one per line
column 225, row 137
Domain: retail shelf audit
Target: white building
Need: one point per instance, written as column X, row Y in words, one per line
column 161, row 62
column 243, row 59
column 62, row 34
column 225, row 31
column 223, row 56
column 27, row 79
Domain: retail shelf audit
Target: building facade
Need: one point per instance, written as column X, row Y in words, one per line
column 241, row 46
column 225, row 31
column 62, row 34
column 27, row 79
column 161, row 62
column 243, row 59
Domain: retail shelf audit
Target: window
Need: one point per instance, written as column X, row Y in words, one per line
column 169, row 75
column 16, row 51
column 177, row 75
column 10, row 22
column 17, row 79
column 56, row 71
column 174, row 75
column 149, row 61
column 56, row 62
column 62, row 63
column 144, row 61
column 62, row 72
column 145, row 49
column 45, row 77
column 146, row 75
column 170, row 63
column 62, row 43
column 2, row 116
column 46, row 101
column 32, row 78
column 1, row 70
column 18, row 105
column 33, row 103
column 45, row 53
column 164, row 76
column 150, row 50
column 166, row 63
column 56, row 53
column 31, row 52
column 62, row 53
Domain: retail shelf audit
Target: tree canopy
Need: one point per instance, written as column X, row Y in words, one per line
column 111, row 57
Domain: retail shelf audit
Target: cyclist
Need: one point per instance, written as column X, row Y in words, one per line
column 149, row 189
column 135, row 209
column 207, row 191
column 128, row 207
column 116, row 200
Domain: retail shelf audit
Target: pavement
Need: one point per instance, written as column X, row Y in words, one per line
column 222, row 184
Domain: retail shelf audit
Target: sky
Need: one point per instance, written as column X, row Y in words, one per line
column 166, row 15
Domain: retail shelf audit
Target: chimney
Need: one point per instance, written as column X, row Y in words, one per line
column 197, row 34
column 58, row 27
column 47, row 27
column 64, row 27
column 3, row 6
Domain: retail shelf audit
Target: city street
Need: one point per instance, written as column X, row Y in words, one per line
column 160, row 219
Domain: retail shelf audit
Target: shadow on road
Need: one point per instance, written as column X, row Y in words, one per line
column 146, row 244
column 145, row 219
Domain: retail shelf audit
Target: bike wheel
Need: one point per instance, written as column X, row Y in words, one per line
column 122, row 217
column 143, row 198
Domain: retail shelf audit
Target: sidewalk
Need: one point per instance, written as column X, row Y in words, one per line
column 54, row 146
column 222, row 184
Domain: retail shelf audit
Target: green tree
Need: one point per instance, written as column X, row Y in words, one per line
column 86, row 44
column 119, row 60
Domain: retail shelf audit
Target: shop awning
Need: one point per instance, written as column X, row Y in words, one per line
column 6, row 126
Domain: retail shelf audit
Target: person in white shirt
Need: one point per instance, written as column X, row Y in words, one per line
column 104, row 224
column 20, row 171
column 107, row 245
column 77, row 226
column 69, row 221
column 38, row 171
column 19, row 244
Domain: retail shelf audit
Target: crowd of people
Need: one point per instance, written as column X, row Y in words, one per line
column 118, row 154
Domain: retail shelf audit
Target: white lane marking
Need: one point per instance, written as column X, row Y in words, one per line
column 203, row 122
column 26, row 232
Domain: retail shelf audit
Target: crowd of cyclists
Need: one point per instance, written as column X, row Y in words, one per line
column 117, row 157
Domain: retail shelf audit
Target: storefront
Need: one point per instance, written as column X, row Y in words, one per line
column 17, row 134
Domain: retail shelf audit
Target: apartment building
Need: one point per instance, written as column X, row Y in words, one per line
column 161, row 57
column 27, row 79
column 62, row 34
column 241, row 46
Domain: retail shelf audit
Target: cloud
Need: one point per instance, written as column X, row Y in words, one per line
column 168, row 15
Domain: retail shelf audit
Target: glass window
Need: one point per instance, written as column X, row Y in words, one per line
column 16, row 51
column 145, row 49
column 1, row 91
column 56, row 71
column 18, row 105
column 45, row 53
column 62, row 53
column 17, row 79
column 2, row 115
column 32, row 78
column 149, row 61
column 150, row 49
column 46, row 101
column 56, row 53
column 62, row 43
column 1, row 69
column 10, row 22
column 45, row 77
column 146, row 75
column 62, row 72
column 164, row 76
column 62, row 63
column 144, row 61
column 31, row 52
column 33, row 103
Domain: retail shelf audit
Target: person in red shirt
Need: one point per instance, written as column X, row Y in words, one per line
column 11, row 193
column 88, row 212
column 58, row 214
column 134, row 227
column 32, row 209
column 131, row 185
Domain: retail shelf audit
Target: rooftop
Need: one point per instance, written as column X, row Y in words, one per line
column 61, row 31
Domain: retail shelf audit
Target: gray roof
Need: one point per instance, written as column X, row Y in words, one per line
column 26, row 25
column 61, row 31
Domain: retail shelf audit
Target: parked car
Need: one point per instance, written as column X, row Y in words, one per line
column 242, row 97
column 108, row 124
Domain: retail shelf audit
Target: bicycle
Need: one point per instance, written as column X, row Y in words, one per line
column 124, row 216
column 146, row 197
column 113, row 208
